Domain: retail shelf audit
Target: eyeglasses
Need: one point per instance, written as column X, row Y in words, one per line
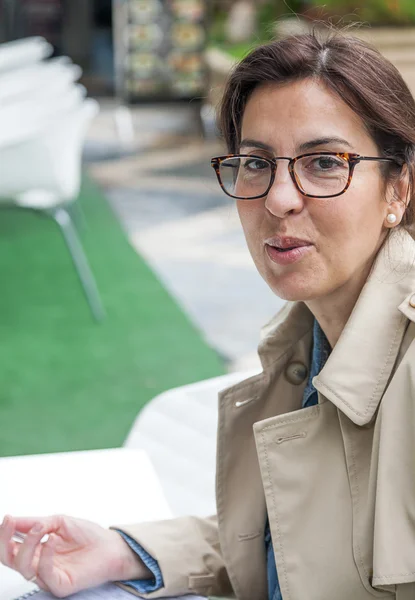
column 316, row 174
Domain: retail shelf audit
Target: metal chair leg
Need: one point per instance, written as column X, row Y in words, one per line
column 63, row 219
column 77, row 215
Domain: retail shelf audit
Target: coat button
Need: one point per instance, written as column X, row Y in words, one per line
column 296, row 373
column 412, row 301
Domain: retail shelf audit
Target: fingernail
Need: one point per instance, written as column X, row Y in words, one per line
column 36, row 528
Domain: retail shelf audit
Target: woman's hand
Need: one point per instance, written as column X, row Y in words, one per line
column 78, row 554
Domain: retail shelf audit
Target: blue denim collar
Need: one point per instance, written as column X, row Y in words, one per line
column 320, row 353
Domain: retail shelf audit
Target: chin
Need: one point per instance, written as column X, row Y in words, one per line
column 292, row 295
column 293, row 289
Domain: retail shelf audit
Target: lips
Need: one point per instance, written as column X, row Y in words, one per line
column 287, row 250
column 283, row 244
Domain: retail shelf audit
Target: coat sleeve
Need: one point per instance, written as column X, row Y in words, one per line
column 188, row 552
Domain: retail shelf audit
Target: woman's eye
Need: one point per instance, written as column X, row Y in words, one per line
column 327, row 163
column 255, row 164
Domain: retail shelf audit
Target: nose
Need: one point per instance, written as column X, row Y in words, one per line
column 283, row 198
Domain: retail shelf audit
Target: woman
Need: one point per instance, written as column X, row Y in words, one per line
column 315, row 472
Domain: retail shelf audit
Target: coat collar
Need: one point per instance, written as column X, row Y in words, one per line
column 360, row 365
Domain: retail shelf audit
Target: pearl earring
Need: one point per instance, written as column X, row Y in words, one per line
column 391, row 218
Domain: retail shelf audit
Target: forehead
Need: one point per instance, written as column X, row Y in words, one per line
column 293, row 113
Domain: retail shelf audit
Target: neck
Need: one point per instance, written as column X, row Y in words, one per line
column 333, row 311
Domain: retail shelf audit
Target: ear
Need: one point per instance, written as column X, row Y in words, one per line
column 397, row 197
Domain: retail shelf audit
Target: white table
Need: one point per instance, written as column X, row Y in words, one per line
column 110, row 487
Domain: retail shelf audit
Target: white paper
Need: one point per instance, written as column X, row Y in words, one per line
column 110, row 487
column 105, row 592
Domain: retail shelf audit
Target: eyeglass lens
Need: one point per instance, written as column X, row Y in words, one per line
column 317, row 175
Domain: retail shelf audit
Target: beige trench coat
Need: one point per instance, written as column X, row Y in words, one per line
column 337, row 479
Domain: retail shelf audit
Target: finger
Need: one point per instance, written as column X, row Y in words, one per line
column 6, row 545
column 24, row 561
column 47, row 579
column 25, row 524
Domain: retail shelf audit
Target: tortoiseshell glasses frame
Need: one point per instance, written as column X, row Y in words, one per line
column 351, row 159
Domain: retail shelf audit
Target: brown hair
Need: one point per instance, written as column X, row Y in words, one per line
column 351, row 68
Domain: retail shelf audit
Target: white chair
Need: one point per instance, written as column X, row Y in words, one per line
column 38, row 77
column 30, row 115
column 23, row 52
column 40, row 169
column 43, row 122
column 177, row 429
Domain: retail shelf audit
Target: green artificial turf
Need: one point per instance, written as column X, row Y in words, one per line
column 66, row 382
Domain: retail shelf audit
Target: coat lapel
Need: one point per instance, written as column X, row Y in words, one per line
column 360, row 365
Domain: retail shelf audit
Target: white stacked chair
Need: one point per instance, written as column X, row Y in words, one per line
column 21, row 53
column 44, row 116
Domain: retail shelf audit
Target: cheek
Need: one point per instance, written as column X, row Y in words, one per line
column 251, row 215
column 352, row 225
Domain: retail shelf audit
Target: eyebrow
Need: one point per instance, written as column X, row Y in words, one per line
column 257, row 144
column 323, row 141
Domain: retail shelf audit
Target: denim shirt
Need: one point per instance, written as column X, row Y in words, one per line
column 320, row 353
column 144, row 586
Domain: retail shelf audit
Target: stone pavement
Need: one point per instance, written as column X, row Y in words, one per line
column 165, row 193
